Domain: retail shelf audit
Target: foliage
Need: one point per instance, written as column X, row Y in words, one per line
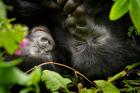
column 10, row 35
column 131, row 30
column 106, row 87
column 54, row 81
column 10, row 75
column 121, row 7
column 2, row 10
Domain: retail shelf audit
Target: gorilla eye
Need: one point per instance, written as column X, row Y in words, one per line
column 43, row 42
column 44, row 39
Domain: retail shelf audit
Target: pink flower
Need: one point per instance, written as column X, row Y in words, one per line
column 24, row 43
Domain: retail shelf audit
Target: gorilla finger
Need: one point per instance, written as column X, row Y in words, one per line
column 70, row 21
column 50, row 4
column 70, row 6
column 80, row 10
column 78, row 34
column 73, row 21
column 61, row 2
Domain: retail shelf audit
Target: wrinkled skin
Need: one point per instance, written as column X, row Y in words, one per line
column 38, row 48
column 84, row 37
column 40, row 45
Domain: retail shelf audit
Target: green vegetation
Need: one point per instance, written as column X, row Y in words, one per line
column 121, row 7
column 10, row 37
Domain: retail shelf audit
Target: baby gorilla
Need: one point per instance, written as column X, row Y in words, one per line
column 40, row 45
column 39, row 48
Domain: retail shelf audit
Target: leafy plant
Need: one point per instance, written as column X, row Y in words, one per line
column 10, row 37
column 55, row 81
column 106, row 87
column 2, row 10
column 121, row 7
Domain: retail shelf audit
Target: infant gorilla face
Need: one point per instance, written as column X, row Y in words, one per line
column 40, row 45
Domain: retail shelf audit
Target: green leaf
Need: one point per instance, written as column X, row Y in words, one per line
column 1, row 57
column 11, row 63
column 106, row 87
column 55, row 81
column 134, row 10
column 4, row 90
column 84, row 90
column 132, row 66
column 12, row 75
column 10, row 35
column 35, row 76
column 2, row 10
column 119, row 8
column 26, row 90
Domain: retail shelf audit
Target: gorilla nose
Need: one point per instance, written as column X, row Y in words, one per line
column 44, row 41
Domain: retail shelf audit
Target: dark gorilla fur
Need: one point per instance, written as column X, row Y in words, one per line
column 87, row 40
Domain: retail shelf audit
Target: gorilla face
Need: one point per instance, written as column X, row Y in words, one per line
column 40, row 45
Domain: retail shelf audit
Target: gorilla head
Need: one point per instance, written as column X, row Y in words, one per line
column 40, row 45
column 39, row 49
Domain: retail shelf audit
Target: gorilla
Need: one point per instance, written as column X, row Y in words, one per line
column 77, row 33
